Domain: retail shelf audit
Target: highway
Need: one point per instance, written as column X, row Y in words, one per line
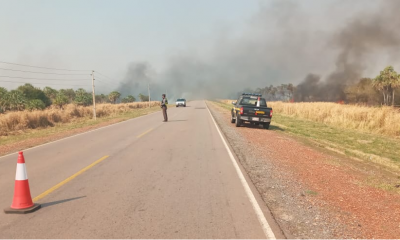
column 141, row 178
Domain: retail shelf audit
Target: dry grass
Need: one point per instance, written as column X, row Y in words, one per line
column 15, row 121
column 381, row 120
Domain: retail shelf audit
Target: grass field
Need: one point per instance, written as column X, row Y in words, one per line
column 14, row 122
column 61, row 128
column 381, row 120
column 371, row 146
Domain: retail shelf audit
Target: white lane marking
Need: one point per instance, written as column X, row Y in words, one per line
column 79, row 134
column 260, row 215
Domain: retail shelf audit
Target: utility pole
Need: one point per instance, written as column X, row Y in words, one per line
column 148, row 88
column 94, row 97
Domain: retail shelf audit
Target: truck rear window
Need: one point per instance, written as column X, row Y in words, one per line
column 253, row 102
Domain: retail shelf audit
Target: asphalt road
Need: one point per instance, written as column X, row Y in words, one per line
column 160, row 180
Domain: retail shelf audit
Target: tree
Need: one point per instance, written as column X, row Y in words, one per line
column 362, row 92
column 101, row 98
column 291, row 88
column 143, row 98
column 273, row 91
column 60, row 100
column 50, row 92
column 387, row 82
column 14, row 100
column 282, row 90
column 3, row 93
column 35, row 104
column 82, row 97
column 128, row 99
column 113, row 96
column 31, row 93
column 69, row 93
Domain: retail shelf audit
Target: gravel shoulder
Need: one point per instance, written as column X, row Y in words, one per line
column 313, row 193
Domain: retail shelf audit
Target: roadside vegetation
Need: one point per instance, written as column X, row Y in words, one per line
column 29, row 97
column 342, row 133
column 28, row 107
column 381, row 120
column 14, row 121
column 76, row 125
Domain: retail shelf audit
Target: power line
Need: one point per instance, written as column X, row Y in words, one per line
column 104, row 75
column 97, row 78
column 15, row 70
column 108, row 83
column 60, row 69
column 51, row 79
column 46, row 83
column 102, row 80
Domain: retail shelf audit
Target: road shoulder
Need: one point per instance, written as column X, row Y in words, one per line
column 309, row 192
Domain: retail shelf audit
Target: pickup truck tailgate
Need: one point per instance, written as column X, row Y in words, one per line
column 257, row 111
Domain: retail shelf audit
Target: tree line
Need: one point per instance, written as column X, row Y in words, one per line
column 384, row 89
column 28, row 97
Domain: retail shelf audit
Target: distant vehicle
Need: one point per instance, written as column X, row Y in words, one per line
column 181, row 102
column 252, row 108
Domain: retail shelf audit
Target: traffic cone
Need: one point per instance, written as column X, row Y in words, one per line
column 22, row 202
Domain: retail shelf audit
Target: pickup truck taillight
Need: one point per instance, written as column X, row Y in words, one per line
column 241, row 110
column 270, row 113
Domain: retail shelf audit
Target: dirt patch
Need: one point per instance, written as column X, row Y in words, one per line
column 314, row 194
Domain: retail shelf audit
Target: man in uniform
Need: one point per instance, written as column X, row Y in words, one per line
column 164, row 103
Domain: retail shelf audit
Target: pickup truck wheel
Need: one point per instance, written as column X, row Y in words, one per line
column 238, row 121
column 266, row 125
column 232, row 119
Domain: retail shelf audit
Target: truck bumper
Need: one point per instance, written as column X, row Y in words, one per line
column 255, row 119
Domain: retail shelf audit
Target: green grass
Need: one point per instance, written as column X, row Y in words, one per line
column 81, row 123
column 370, row 147
column 311, row 193
column 223, row 105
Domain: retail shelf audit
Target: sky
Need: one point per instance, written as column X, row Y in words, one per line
column 107, row 35
column 185, row 45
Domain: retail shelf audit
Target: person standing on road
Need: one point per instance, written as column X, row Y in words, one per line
column 164, row 103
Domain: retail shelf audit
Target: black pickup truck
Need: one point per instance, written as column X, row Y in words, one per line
column 252, row 108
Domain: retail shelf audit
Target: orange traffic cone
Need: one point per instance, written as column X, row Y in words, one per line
column 22, row 202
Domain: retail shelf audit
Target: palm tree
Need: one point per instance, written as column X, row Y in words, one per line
column 69, row 93
column 3, row 93
column 128, row 99
column 394, row 84
column 60, row 100
column 14, row 100
column 82, row 97
column 143, row 98
column 50, row 92
column 113, row 96
column 387, row 82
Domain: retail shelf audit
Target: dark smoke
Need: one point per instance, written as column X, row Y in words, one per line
column 366, row 34
column 281, row 43
column 136, row 80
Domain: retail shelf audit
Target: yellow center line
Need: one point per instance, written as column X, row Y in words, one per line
column 67, row 180
column 141, row 135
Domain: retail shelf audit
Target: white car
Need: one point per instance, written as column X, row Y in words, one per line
column 181, row 102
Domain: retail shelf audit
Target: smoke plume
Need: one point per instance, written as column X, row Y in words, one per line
column 280, row 44
column 367, row 35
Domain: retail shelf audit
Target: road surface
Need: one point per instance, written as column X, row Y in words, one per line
column 149, row 179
